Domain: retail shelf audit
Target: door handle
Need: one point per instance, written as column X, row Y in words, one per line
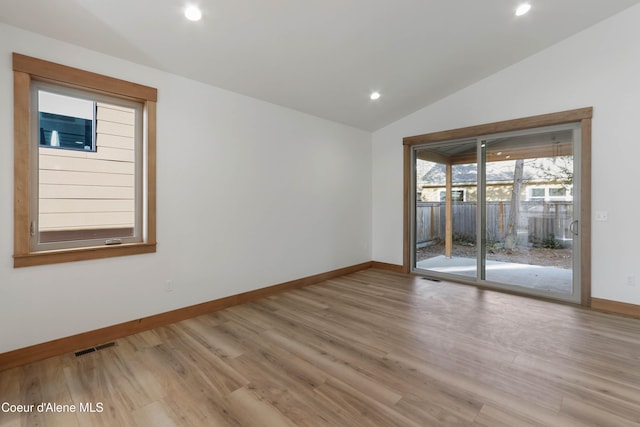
column 573, row 227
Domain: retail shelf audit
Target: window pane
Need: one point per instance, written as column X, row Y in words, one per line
column 65, row 122
column 557, row 192
column 88, row 194
column 445, row 233
column 537, row 192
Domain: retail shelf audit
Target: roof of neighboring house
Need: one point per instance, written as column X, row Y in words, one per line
column 534, row 170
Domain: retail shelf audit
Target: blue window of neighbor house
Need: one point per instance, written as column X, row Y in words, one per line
column 66, row 122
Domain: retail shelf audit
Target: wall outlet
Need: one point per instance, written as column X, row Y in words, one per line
column 602, row 215
column 168, row 286
column 631, row 281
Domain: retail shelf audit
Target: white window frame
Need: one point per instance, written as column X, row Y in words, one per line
column 139, row 195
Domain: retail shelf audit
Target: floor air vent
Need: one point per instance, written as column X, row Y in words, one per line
column 94, row 349
column 107, row 345
column 83, row 352
column 431, row 280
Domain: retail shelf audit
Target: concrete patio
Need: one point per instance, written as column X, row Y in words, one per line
column 551, row 279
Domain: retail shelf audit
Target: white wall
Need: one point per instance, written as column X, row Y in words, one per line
column 599, row 67
column 249, row 195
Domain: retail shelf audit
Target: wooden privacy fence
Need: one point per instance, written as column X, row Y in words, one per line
column 538, row 221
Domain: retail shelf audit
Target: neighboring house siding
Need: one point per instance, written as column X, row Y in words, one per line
column 496, row 192
column 91, row 190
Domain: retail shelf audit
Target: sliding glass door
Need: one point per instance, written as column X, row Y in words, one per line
column 500, row 211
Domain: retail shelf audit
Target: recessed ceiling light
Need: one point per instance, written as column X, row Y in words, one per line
column 193, row 13
column 522, row 9
column 374, row 96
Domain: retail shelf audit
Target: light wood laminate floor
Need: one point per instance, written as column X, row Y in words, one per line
column 369, row 349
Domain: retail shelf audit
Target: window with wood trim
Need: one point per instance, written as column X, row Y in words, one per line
column 84, row 168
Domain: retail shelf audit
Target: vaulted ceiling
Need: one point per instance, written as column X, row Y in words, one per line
column 322, row 57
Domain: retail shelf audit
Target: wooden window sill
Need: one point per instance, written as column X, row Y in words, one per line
column 81, row 254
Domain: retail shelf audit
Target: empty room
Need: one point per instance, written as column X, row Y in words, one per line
column 362, row 213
